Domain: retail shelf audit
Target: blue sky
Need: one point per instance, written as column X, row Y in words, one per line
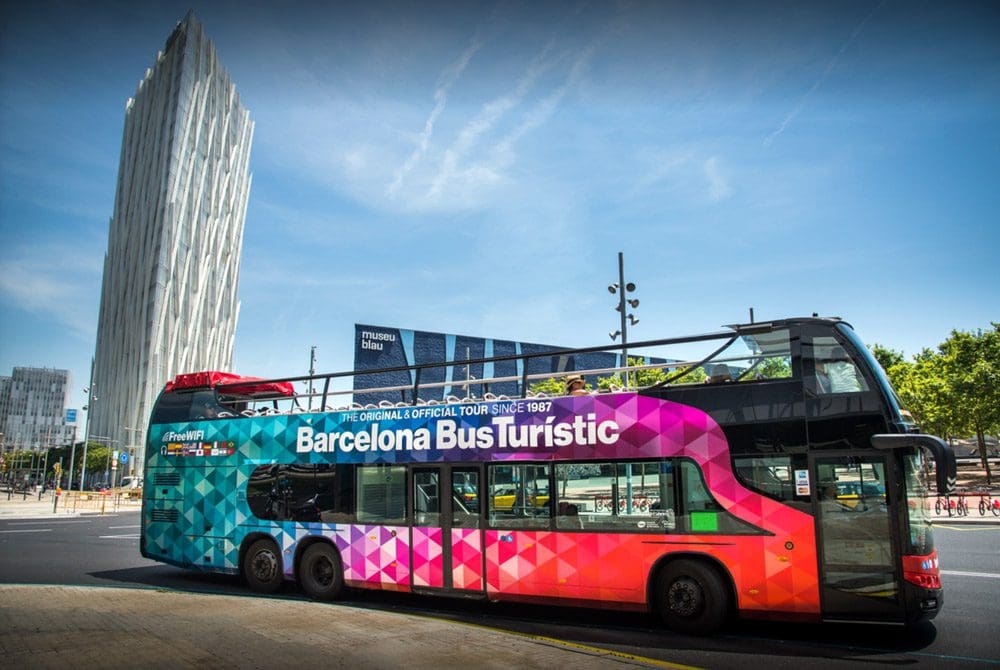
column 475, row 168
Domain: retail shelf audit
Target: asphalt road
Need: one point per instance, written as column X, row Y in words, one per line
column 103, row 551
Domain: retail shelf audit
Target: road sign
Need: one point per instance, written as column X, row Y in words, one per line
column 123, row 458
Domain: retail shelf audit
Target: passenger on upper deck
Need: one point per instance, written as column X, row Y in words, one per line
column 720, row 374
column 835, row 373
column 575, row 385
column 207, row 409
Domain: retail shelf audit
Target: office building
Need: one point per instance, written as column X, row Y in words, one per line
column 171, row 273
column 33, row 409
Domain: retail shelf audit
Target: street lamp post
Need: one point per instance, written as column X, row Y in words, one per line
column 86, row 434
column 621, row 288
column 72, row 460
column 312, row 371
column 90, row 391
column 128, row 447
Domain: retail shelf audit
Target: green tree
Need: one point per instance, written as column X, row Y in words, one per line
column 771, row 368
column 972, row 371
column 887, row 358
column 551, row 386
column 647, row 377
column 923, row 389
column 97, row 460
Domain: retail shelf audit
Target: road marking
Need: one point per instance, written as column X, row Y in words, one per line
column 959, row 573
column 971, row 527
column 565, row 644
column 119, row 537
column 28, row 530
column 44, row 521
column 120, row 527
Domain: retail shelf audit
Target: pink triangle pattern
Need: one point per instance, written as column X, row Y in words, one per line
column 428, row 557
column 375, row 556
column 467, row 559
column 774, row 572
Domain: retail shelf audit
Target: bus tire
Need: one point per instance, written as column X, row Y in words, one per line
column 321, row 572
column 262, row 566
column 692, row 598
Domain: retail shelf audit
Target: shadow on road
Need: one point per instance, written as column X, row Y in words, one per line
column 606, row 629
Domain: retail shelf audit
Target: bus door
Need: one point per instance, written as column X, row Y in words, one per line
column 446, row 539
column 857, row 553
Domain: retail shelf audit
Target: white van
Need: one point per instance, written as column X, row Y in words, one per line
column 131, row 483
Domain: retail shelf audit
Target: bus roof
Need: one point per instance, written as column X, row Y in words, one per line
column 230, row 384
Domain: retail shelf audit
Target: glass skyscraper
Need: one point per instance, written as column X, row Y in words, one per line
column 171, row 273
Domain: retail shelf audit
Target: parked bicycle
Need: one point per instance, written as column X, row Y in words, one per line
column 988, row 502
column 954, row 505
column 944, row 505
column 962, row 507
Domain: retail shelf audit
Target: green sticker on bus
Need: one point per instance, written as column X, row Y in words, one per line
column 704, row 521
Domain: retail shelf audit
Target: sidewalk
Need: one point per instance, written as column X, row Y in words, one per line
column 29, row 506
column 86, row 627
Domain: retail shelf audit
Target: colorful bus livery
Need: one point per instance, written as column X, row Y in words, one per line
column 628, row 500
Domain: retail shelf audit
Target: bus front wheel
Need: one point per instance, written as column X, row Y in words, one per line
column 262, row 567
column 320, row 572
column 692, row 597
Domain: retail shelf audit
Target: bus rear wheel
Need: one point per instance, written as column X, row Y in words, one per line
column 262, row 566
column 692, row 598
column 321, row 573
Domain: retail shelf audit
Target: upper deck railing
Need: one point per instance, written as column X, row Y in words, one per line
column 743, row 350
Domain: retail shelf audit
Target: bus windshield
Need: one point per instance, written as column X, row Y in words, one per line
column 900, row 413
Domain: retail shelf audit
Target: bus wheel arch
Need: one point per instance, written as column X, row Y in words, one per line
column 261, row 564
column 692, row 593
column 320, row 569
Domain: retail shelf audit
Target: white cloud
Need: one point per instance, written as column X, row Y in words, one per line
column 688, row 173
column 56, row 282
column 489, row 116
column 718, row 185
column 445, row 82
column 831, row 64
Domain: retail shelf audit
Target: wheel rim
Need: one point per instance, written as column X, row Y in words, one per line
column 264, row 566
column 322, row 571
column 684, row 597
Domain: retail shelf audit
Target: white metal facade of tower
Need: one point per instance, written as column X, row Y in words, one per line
column 169, row 299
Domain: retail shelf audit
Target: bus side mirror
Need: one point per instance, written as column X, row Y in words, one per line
column 944, row 456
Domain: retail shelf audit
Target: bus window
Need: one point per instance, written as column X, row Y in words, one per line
column 262, row 482
column 700, row 513
column 465, row 498
column 381, row 493
column 835, row 372
column 635, row 497
column 764, row 356
column 335, row 492
column 768, row 474
column 519, row 496
column 426, row 498
column 283, row 493
column 172, row 407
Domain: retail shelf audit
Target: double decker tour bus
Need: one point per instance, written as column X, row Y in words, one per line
column 768, row 471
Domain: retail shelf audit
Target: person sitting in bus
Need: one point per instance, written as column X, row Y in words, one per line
column 822, row 379
column 208, row 410
column 575, row 385
column 837, row 373
column 569, row 516
column 720, row 374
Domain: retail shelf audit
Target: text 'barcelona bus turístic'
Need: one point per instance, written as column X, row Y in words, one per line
column 764, row 471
